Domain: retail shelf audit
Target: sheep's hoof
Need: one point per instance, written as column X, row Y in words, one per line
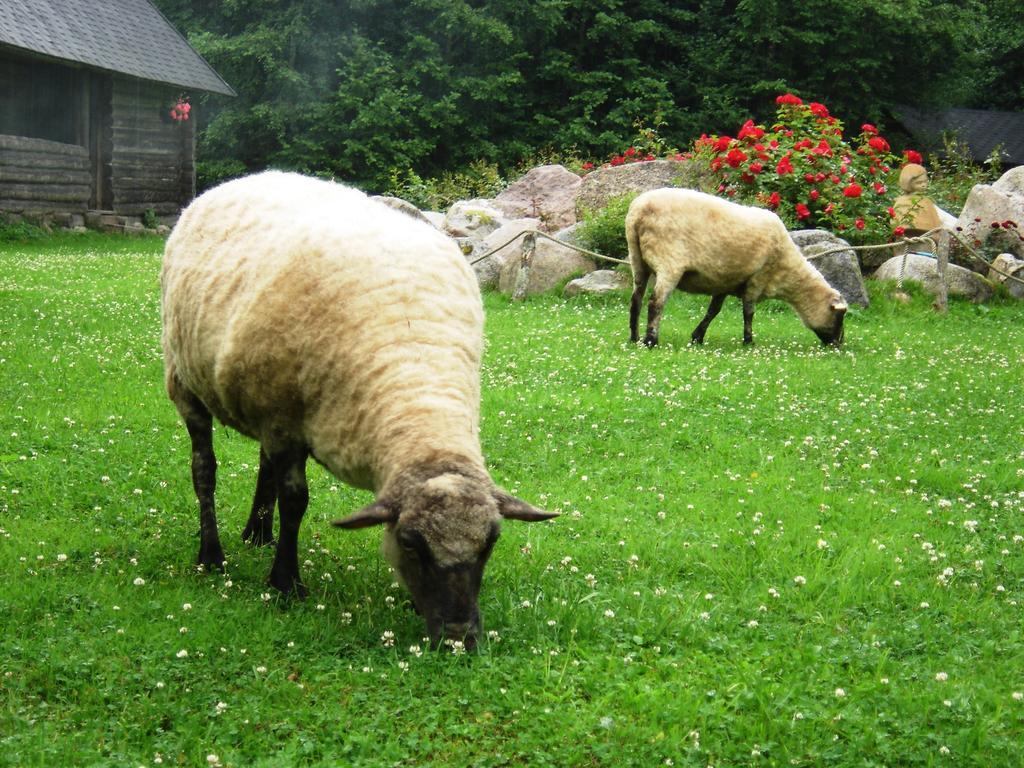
column 650, row 341
column 258, row 535
column 289, row 586
column 696, row 340
column 211, row 556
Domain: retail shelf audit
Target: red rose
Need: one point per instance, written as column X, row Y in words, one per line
column 803, row 144
column 899, row 231
column 723, row 143
column 852, row 190
column 910, row 156
column 802, row 211
column 750, row 131
column 756, row 167
column 823, row 149
column 878, row 144
column 819, row 110
column 859, row 223
column 869, row 129
column 815, row 194
column 790, row 99
column 587, row 166
column 879, row 188
column 774, row 199
column 809, row 178
column 631, row 151
column 784, row 166
column 735, row 157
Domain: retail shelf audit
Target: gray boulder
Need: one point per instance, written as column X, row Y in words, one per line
column 1006, row 264
column 488, row 270
column 552, row 264
column 599, row 282
column 547, row 192
column 402, row 205
column 923, row 270
column 988, row 207
column 474, row 219
column 841, row 269
column 605, row 184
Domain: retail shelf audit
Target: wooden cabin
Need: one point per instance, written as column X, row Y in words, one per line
column 86, row 94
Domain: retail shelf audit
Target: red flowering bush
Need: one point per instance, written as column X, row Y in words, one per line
column 802, row 168
column 181, row 109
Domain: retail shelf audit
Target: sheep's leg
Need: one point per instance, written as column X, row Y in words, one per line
column 748, row 321
column 663, row 286
column 697, row 337
column 641, row 274
column 199, row 423
column 259, row 531
column 292, row 499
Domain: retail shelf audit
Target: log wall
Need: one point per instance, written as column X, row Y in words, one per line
column 40, row 177
column 153, row 157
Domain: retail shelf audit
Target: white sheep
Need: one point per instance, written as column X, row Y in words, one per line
column 700, row 243
column 324, row 324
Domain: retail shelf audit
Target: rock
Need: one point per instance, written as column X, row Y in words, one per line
column 599, row 282
column 473, row 218
column 401, row 205
column 1011, row 183
column 989, row 207
column 435, row 218
column 1008, row 265
column 552, row 264
column 489, row 270
column 841, row 269
column 547, row 192
column 923, row 270
column 605, row 184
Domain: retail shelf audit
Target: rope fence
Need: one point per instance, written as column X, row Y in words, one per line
column 929, row 238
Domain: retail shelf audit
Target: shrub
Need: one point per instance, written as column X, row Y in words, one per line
column 604, row 230
column 14, row 230
column 803, row 169
column 480, row 179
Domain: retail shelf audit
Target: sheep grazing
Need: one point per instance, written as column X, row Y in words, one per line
column 324, row 324
column 700, row 243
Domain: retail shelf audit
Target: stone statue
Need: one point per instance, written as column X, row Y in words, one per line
column 918, row 214
column 913, row 209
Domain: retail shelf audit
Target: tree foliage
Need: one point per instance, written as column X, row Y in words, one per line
column 362, row 88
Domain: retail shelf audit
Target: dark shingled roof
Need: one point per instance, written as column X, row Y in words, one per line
column 127, row 36
column 982, row 130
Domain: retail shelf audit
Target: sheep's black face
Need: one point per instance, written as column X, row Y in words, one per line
column 441, row 529
column 445, row 592
column 831, row 334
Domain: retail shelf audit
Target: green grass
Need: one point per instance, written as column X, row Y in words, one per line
column 744, row 533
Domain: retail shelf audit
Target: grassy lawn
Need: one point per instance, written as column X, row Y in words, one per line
column 782, row 555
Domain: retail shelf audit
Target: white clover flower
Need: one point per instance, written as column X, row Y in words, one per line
column 182, row 654
column 139, row 581
column 609, row 614
column 799, row 580
column 840, row 693
column 941, row 677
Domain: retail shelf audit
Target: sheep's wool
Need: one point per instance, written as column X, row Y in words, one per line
column 301, row 311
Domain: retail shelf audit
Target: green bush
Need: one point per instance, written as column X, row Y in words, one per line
column 19, row 231
column 480, row 179
column 604, row 230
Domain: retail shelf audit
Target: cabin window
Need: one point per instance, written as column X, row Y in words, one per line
column 40, row 100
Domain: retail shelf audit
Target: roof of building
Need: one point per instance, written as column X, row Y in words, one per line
column 127, row 36
column 981, row 130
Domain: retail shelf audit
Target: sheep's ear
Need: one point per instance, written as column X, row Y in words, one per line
column 839, row 306
column 512, row 508
column 373, row 514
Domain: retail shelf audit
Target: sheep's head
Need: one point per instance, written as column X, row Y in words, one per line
column 440, row 530
column 826, row 319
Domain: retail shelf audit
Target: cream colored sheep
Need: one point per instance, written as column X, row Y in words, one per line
column 321, row 323
column 700, row 243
